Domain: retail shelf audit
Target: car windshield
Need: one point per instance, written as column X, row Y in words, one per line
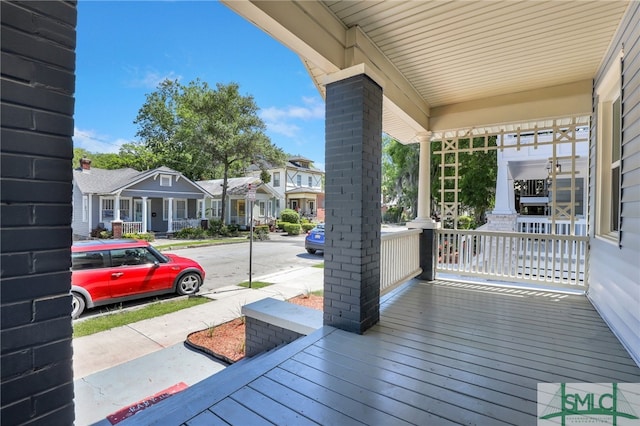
column 320, row 227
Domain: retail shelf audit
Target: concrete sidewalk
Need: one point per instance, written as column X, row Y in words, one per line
column 115, row 368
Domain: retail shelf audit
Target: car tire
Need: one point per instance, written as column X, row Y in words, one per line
column 77, row 305
column 311, row 251
column 189, row 284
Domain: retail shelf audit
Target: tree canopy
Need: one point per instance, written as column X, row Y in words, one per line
column 205, row 133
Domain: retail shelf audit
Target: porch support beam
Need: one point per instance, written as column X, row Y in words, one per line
column 353, row 219
column 170, row 215
column 145, row 225
column 423, row 220
column 568, row 100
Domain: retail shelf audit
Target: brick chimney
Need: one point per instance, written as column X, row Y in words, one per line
column 85, row 164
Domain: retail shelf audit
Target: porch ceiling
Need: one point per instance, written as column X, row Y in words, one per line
column 447, row 65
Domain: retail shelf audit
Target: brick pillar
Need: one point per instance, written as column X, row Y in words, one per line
column 38, row 83
column 353, row 219
column 116, row 228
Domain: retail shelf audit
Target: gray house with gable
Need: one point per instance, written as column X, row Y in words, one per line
column 161, row 200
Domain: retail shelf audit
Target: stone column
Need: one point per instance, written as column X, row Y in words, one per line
column 353, row 219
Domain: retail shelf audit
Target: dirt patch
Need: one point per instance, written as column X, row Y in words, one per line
column 226, row 341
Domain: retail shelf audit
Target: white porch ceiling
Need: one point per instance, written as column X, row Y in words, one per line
column 449, row 65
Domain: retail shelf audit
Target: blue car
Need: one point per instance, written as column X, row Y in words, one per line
column 314, row 240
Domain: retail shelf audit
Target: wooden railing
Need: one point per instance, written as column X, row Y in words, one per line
column 543, row 225
column 556, row 260
column 399, row 258
column 131, row 227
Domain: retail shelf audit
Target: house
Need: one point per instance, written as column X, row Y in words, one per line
column 266, row 206
column 129, row 201
column 534, row 193
column 299, row 186
column 433, row 351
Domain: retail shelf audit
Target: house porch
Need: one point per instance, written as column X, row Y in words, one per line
column 443, row 352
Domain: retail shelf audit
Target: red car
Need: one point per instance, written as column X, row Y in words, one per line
column 111, row 271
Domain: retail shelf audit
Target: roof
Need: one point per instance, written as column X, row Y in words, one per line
column 235, row 186
column 456, row 64
column 102, row 181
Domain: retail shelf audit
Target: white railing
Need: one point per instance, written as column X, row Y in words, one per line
column 543, row 225
column 179, row 224
column 399, row 258
column 556, row 260
column 131, row 227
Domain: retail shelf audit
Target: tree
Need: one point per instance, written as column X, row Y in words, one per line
column 400, row 173
column 205, row 132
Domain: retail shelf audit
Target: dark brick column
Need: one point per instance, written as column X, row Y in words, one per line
column 353, row 217
column 38, row 82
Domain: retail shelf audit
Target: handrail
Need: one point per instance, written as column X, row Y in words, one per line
column 399, row 258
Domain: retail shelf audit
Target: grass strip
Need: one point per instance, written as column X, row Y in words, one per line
column 117, row 319
column 197, row 243
column 319, row 265
column 255, row 284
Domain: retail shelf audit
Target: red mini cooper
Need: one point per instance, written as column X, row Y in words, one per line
column 111, row 271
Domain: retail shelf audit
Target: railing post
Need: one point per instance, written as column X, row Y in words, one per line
column 428, row 247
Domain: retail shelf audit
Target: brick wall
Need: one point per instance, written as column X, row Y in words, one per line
column 352, row 206
column 261, row 336
column 38, row 82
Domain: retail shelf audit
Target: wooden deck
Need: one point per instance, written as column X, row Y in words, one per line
column 443, row 353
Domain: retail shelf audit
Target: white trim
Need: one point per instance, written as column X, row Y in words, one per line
column 163, row 180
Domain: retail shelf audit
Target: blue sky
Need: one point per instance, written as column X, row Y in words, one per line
column 125, row 49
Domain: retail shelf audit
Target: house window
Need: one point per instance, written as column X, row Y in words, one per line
column 262, row 208
column 179, row 209
column 216, row 208
column 85, row 208
column 609, row 147
column 106, row 209
column 299, row 180
column 310, row 181
column 125, row 210
column 165, row 180
column 276, row 179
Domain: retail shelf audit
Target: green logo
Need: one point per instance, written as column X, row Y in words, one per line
column 591, row 403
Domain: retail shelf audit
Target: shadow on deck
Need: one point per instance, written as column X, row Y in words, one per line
column 442, row 353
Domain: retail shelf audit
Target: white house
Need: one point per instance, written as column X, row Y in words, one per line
column 299, row 186
column 541, row 184
column 266, row 207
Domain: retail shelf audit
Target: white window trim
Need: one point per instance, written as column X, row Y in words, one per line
column 174, row 208
column 165, row 180
column 607, row 91
column 102, row 200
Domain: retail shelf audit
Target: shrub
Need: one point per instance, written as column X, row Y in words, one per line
column 233, row 230
column 261, row 232
column 466, row 222
column 95, row 232
column 216, row 227
column 306, row 227
column 105, row 235
column 290, row 216
column 293, row 228
column 190, row 234
column 147, row 236
column 281, row 225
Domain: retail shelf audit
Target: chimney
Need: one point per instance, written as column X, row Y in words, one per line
column 85, row 164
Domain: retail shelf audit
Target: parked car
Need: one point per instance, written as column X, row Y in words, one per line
column 111, row 271
column 314, row 240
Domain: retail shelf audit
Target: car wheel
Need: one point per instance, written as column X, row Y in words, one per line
column 77, row 305
column 189, row 284
column 311, row 251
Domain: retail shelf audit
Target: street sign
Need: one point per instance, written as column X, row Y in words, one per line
column 251, row 193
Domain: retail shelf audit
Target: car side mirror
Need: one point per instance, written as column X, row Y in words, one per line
column 156, row 264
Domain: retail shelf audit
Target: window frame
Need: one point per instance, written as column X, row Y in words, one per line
column 276, row 179
column 163, row 180
column 609, row 134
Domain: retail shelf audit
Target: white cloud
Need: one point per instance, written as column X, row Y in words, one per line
column 150, row 78
column 95, row 142
column 281, row 120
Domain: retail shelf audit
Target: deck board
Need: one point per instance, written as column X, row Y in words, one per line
column 442, row 353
